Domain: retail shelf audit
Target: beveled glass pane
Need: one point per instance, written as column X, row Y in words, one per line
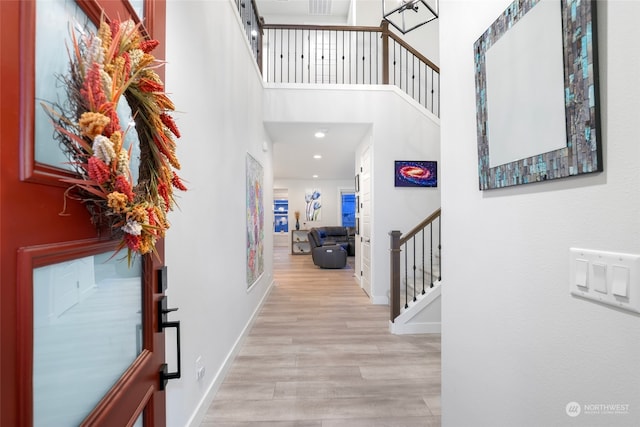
column 138, row 6
column 131, row 141
column 54, row 21
column 87, row 318
column 139, row 421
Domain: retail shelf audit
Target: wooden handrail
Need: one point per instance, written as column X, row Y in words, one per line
column 415, row 230
column 256, row 13
column 417, row 54
column 368, row 29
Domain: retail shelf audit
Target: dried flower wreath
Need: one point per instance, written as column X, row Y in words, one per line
column 103, row 67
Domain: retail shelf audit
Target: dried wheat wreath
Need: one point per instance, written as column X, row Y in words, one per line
column 103, row 67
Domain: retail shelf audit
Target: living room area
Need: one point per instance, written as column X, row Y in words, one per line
column 316, row 218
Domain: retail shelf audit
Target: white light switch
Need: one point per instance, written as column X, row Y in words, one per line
column 599, row 281
column 582, row 273
column 610, row 278
column 620, row 281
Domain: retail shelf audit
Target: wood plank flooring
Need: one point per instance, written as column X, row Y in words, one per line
column 321, row 355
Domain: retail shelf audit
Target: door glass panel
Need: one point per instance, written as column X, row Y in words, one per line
column 87, row 317
column 139, row 421
column 131, row 142
column 138, row 6
column 54, row 21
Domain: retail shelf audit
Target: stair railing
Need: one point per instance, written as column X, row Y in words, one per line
column 420, row 266
column 252, row 24
column 339, row 55
column 316, row 54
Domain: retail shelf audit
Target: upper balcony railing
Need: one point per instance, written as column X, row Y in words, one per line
column 252, row 24
column 340, row 55
column 348, row 55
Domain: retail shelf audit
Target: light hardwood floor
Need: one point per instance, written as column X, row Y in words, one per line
column 320, row 354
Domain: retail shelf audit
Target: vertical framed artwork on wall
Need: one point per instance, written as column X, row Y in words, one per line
column 313, row 204
column 255, row 220
column 537, row 94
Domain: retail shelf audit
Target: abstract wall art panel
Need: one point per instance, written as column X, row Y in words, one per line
column 255, row 220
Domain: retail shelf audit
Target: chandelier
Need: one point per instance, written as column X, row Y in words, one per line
column 407, row 15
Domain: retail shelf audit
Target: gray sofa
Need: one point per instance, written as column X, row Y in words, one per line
column 330, row 246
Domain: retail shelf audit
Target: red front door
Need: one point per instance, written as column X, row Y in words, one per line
column 34, row 236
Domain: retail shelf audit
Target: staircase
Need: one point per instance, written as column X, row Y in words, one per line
column 414, row 292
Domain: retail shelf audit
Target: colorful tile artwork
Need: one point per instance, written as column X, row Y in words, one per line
column 255, row 220
column 583, row 153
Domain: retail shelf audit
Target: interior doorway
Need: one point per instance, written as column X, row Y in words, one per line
column 365, row 221
column 281, row 222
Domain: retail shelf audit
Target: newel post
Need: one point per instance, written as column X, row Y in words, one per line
column 384, row 25
column 394, row 294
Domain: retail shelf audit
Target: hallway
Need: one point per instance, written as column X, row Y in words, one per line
column 319, row 354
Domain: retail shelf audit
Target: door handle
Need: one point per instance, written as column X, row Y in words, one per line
column 164, row 323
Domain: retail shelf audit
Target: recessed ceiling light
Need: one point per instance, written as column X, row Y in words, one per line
column 315, row 176
column 317, row 156
column 320, row 134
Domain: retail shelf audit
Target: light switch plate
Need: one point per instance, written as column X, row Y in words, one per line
column 611, row 278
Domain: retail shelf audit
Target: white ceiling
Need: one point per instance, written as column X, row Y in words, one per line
column 304, row 11
column 294, row 146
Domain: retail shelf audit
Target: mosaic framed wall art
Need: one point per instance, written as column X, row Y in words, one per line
column 255, row 220
column 537, row 95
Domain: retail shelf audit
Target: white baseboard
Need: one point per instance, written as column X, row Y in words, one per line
column 379, row 300
column 201, row 410
column 422, row 316
column 415, row 328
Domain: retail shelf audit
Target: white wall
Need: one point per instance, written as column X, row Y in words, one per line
column 401, row 130
column 516, row 346
column 217, row 89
